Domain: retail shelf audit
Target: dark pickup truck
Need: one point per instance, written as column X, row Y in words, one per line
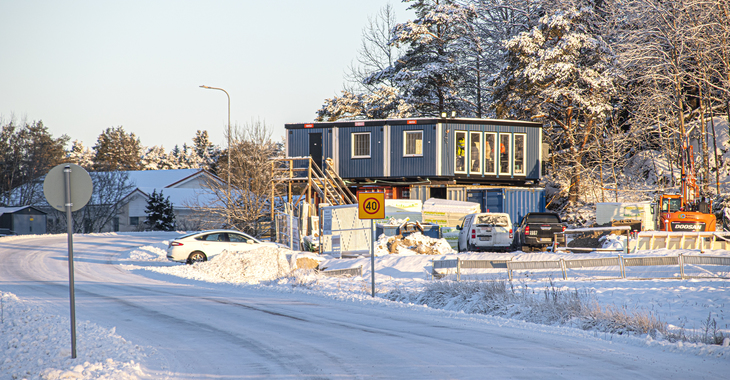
column 537, row 230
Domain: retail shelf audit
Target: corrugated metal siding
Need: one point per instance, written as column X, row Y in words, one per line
column 298, row 143
column 532, row 151
column 516, row 202
column 413, row 166
column 361, row 167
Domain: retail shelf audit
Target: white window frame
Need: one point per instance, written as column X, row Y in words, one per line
column 352, row 144
column 405, row 143
column 480, row 159
column 495, row 159
column 524, row 153
column 509, row 154
column 456, row 149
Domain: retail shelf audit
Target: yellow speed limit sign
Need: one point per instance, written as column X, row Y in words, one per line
column 371, row 205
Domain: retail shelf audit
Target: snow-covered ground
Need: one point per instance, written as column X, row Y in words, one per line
column 35, row 340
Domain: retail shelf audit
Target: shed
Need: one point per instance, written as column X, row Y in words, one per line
column 24, row 220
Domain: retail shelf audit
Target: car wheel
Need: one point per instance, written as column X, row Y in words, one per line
column 197, row 257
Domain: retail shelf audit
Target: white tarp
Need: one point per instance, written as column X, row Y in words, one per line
column 447, row 213
column 608, row 211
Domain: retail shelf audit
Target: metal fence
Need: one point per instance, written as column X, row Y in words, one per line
column 349, row 272
column 687, row 266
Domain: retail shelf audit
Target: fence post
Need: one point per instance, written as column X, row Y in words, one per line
column 509, row 269
column 680, row 261
column 458, row 269
column 562, row 266
column 621, row 266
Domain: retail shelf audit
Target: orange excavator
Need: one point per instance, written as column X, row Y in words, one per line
column 688, row 211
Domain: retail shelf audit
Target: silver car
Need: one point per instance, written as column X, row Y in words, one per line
column 199, row 246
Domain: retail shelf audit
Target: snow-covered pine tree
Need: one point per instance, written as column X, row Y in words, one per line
column 206, row 154
column 160, row 215
column 428, row 72
column 81, row 155
column 560, row 71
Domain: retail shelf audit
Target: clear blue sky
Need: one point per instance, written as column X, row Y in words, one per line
column 84, row 66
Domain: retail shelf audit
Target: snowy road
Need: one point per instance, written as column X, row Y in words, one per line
column 198, row 330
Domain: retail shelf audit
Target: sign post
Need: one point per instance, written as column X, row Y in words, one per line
column 57, row 189
column 371, row 206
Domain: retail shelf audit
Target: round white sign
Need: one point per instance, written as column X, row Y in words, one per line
column 54, row 187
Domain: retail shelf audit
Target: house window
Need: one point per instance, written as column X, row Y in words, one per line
column 361, row 145
column 413, row 141
column 490, row 153
column 504, row 153
column 134, row 220
column 520, row 153
column 460, row 153
column 475, row 152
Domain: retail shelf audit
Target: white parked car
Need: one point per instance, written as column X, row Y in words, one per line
column 486, row 232
column 200, row 246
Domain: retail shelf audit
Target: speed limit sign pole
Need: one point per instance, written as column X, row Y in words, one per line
column 57, row 187
column 371, row 206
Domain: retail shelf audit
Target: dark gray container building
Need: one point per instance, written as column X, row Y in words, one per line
column 396, row 152
column 22, row 220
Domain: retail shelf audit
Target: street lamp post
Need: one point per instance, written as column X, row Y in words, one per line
column 228, row 195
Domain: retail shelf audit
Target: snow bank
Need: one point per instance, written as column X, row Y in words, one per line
column 36, row 344
column 249, row 267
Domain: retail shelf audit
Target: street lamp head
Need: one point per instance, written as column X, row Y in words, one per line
column 204, row 86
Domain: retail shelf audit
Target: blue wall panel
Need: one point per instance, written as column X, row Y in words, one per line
column 422, row 166
column 361, row 167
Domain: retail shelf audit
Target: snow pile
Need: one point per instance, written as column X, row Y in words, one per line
column 36, row 344
column 251, row 267
column 413, row 244
column 613, row 241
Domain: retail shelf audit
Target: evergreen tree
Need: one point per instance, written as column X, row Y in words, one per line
column 117, row 150
column 27, row 152
column 429, row 72
column 81, row 155
column 160, row 216
column 206, row 153
column 560, row 71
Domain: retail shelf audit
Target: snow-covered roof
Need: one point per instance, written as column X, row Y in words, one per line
column 10, row 210
column 160, row 178
column 183, row 197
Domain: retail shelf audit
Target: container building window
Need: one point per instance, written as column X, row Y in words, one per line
column 504, row 153
column 475, row 152
column 490, row 153
column 361, row 145
column 134, row 220
column 519, row 163
column 413, row 143
column 460, row 153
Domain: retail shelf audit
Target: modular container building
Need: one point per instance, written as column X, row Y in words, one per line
column 23, row 220
column 424, row 150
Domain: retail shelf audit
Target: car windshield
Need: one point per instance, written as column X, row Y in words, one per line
column 494, row 220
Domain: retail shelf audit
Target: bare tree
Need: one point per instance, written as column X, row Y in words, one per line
column 247, row 206
column 107, row 199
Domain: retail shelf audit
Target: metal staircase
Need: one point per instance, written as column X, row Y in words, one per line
column 294, row 174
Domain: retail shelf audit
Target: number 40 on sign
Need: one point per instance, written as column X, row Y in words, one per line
column 371, row 205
